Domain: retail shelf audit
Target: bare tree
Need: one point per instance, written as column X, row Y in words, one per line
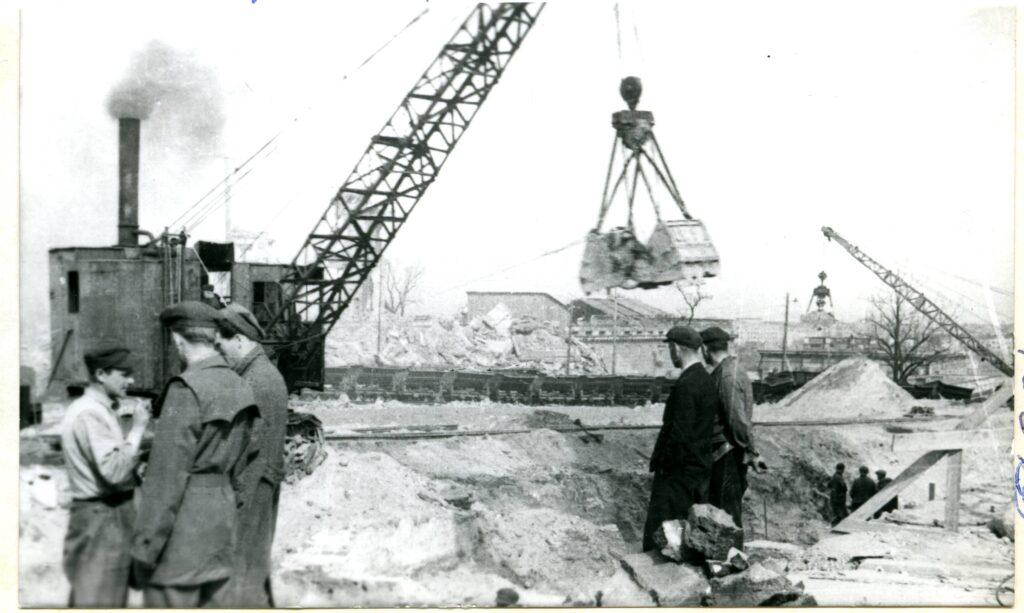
column 906, row 339
column 693, row 293
column 398, row 286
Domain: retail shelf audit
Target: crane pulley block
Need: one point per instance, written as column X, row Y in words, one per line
column 677, row 249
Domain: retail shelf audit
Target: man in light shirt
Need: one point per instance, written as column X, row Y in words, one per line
column 101, row 463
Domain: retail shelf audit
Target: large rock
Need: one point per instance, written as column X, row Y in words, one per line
column 668, row 583
column 710, row 533
column 669, row 538
column 753, row 587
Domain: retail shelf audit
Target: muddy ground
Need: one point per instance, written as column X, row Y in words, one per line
column 448, row 522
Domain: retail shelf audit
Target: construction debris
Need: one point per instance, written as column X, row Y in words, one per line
column 670, row 584
column 669, row 538
column 494, row 341
column 709, row 533
column 737, row 560
column 756, row 586
column 304, row 445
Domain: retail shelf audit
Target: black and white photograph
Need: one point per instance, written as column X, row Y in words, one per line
column 431, row 303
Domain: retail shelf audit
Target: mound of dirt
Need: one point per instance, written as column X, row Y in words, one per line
column 856, row 388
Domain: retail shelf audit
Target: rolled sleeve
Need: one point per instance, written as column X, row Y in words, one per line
column 174, row 449
column 114, row 458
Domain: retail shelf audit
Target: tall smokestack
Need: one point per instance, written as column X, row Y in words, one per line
column 128, row 173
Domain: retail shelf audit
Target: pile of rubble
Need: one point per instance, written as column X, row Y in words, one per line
column 701, row 563
column 496, row 340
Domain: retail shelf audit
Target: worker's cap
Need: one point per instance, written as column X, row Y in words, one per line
column 189, row 314
column 880, row 473
column 713, row 334
column 108, row 358
column 239, row 320
column 864, row 470
column 840, row 466
column 685, row 336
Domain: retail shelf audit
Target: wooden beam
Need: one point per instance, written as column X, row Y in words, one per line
column 898, row 484
column 989, row 408
column 953, row 465
column 945, row 439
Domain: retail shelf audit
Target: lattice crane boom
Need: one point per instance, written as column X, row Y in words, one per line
column 398, row 166
column 921, row 302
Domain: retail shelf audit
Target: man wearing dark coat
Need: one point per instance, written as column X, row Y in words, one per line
column 863, row 488
column 733, row 437
column 681, row 461
column 238, row 336
column 183, row 548
column 894, row 503
column 837, row 494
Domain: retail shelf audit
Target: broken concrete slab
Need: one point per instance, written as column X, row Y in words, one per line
column 710, row 532
column 753, row 587
column 669, row 538
column 737, row 560
column 668, row 583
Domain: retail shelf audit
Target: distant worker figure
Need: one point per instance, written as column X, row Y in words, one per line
column 681, row 461
column 101, row 463
column 893, row 504
column 733, row 437
column 837, row 494
column 183, row 549
column 238, row 340
column 863, row 487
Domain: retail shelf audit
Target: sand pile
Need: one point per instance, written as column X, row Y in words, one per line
column 856, row 388
column 494, row 341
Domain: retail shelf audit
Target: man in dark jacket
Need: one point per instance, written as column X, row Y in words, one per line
column 837, row 494
column 893, row 504
column 733, row 437
column 863, row 488
column 681, row 461
column 184, row 543
column 238, row 336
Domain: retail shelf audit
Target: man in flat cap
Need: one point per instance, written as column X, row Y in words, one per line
column 863, row 487
column 238, row 340
column 101, row 463
column 733, row 438
column 184, row 542
column 893, row 503
column 681, row 461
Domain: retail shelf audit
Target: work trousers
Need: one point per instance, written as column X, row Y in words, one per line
column 203, row 596
column 97, row 561
column 729, row 483
column 839, row 511
column 249, row 585
column 672, row 495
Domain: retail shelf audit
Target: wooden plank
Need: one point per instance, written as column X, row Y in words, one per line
column 946, row 439
column 898, row 484
column 953, row 465
column 990, row 407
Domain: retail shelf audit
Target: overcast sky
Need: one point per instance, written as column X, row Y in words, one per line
column 892, row 123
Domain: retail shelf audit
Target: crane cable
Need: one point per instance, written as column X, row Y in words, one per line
column 193, row 220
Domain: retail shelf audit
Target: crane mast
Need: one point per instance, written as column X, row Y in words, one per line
column 921, row 302
column 399, row 164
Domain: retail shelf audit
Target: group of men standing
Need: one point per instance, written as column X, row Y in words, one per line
column 706, row 444
column 863, row 488
column 196, row 529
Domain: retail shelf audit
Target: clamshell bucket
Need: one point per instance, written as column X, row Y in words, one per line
column 678, row 250
column 610, row 260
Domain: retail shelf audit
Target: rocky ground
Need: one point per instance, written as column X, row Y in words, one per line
column 552, row 514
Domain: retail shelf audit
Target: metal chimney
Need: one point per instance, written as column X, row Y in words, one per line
column 128, row 174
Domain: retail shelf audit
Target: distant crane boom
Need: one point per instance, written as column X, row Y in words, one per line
column 921, row 302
